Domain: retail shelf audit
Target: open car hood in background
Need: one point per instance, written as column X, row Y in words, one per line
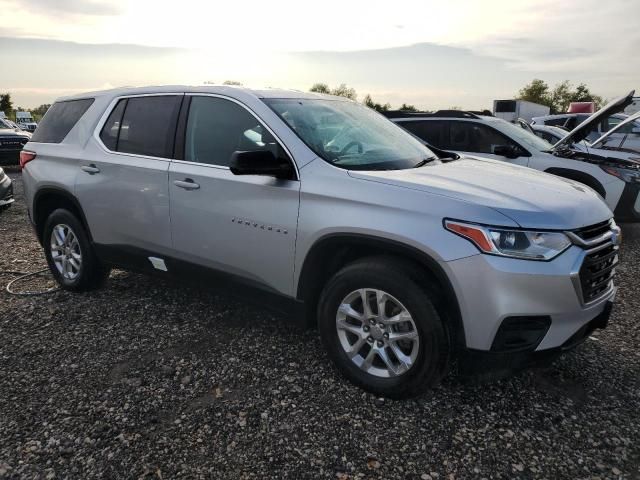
column 582, row 131
column 626, row 121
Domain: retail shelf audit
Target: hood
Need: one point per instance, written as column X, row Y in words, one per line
column 12, row 132
column 530, row 198
column 582, row 131
column 626, row 121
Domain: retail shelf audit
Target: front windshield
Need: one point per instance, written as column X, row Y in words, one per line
column 350, row 135
column 522, row 136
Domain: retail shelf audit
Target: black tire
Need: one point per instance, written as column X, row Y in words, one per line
column 404, row 282
column 92, row 273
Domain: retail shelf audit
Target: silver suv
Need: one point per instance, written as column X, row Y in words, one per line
column 407, row 258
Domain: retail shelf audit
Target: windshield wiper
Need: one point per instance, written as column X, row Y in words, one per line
column 422, row 163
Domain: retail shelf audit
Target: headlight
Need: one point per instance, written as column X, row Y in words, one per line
column 524, row 244
column 624, row 174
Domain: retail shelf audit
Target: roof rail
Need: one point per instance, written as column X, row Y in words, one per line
column 439, row 113
column 455, row 114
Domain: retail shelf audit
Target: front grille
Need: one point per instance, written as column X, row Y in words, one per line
column 593, row 231
column 596, row 273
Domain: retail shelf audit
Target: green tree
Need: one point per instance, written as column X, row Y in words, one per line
column 583, row 94
column 560, row 97
column 368, row 101
column 340, row 91
column 537, row 92
column 41, row 110
column 344, row 91
column 320, row 88
column 6, row 105
column 408, row 108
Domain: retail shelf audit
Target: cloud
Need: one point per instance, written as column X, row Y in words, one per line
column 67, row 7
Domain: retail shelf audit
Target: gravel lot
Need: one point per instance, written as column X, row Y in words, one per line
column 150, row 379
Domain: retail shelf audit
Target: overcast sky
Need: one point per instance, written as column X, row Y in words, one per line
column 433, row 54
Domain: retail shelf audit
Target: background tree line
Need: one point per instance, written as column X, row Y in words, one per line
column 558, row 98
column 6, row 106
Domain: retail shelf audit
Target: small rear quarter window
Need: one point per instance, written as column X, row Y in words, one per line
column 60, row 119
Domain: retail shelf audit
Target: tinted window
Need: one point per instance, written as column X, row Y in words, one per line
column 474, row 137
column 433, row 132
column 109, row 134
column 148, row 126
column 60, row 119
column 217, row 127
column 556, row 121
column 505, row 106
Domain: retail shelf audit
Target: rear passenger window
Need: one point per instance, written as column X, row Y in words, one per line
column 59, row 120
column 433, row 132
column 147, row 126
column 474, row 137
column 109, row 134
column 216, row 128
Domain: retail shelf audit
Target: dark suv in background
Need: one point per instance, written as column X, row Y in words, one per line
column 11, row 142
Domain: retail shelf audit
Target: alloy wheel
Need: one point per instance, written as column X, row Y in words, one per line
column 65, row 251
column 377, row 332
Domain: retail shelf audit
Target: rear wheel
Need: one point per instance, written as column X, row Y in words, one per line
column 382, row 330
column 69, row 253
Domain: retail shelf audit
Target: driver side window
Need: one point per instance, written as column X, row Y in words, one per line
column 216, row 128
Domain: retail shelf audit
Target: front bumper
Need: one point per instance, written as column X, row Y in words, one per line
column 628, row 208
column 477, row 362
column 492, row 290
column 9, row 157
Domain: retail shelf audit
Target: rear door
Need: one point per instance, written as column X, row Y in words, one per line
column 242, row 225
column 122, row 185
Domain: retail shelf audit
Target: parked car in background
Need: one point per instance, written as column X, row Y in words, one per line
column 11, row 142
column 571, row 121
column 12, row 124
column 6, row 191
column 622, row 141
column 26, row 121
column 549, row 133
column 494, row 138
column 406, row 258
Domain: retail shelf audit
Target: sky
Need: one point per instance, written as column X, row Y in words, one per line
column 433, row 54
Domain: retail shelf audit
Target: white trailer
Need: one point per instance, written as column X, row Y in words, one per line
column 512, row 110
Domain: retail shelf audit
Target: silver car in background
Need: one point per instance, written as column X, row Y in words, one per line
column 407, row 258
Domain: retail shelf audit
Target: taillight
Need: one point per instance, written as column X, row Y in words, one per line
column 25, row 157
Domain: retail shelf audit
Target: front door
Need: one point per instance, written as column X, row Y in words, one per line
column 244, row 225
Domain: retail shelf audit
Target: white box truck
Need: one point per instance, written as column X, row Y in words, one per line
column 512, row 110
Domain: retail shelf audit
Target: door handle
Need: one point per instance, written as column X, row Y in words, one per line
column 187, row 184
column 90, row 168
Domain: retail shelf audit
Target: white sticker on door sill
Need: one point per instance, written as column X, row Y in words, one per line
column 158, row 263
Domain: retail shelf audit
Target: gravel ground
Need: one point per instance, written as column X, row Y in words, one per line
column 150, row 379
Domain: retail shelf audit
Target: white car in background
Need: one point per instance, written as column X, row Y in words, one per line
column 554, row 134
column 569, row 121
column 616, row 179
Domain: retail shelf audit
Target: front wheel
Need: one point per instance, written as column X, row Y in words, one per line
column 381, row 328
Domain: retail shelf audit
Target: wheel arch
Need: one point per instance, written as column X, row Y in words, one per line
column 579, row 176
column 331, row 252
column 48, row 199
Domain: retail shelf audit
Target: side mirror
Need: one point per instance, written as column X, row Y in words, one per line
column 508, row 151
column 260, row 162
